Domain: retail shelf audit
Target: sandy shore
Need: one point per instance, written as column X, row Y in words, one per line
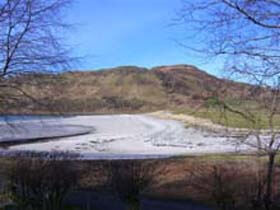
column 134, row 136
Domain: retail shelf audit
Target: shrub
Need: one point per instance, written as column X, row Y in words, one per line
column 41, row 180
column 229, row 186
column 129, row 179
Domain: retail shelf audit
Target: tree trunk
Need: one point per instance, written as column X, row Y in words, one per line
column 257, row 201
column 270, row 175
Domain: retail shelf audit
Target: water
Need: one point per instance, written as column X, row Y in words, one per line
column 20, row 129
column 14, row 118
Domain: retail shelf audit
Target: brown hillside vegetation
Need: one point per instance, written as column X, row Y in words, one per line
column 121, row 89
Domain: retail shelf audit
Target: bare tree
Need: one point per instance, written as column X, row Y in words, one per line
column 31, row 42
column 245, row 34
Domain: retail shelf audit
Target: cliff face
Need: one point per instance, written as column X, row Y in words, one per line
column 121, row 89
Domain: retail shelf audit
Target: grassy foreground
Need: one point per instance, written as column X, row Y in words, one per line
column 214, row 180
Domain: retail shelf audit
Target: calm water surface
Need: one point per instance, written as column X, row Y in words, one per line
column 14, row 118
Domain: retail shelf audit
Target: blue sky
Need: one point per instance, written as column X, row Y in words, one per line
column 129, row 32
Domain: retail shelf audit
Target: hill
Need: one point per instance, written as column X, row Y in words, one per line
column 121, row 89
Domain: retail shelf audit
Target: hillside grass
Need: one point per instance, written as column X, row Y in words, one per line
column 230, row 119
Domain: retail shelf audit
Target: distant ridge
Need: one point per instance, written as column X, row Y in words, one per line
column 124, row 89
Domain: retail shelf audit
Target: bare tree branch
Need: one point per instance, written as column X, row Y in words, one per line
column 31, row 41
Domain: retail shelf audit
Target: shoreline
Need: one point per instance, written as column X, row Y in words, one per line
column 206, row 124
column 138, row 136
